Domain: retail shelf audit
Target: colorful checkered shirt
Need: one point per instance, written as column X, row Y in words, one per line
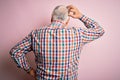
column 56, row 48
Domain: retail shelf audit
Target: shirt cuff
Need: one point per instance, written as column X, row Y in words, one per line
column 89, row 23
column 83, row 18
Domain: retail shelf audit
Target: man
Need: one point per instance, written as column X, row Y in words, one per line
column 57, row 47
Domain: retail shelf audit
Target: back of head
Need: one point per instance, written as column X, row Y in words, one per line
column 60, row 13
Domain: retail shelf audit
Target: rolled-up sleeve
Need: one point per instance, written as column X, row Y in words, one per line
column 20, row 49
column 92, row 31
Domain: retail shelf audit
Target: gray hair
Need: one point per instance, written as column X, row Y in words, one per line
column 60, row 13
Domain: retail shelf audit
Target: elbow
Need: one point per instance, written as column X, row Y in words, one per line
column 102, row 32
column 11, row 52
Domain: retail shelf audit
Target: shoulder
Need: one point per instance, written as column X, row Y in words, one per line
column 38, row 29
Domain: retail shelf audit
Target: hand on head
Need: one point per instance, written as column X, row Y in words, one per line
column 74, row 12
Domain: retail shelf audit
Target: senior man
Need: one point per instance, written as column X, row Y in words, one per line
column 56, row 46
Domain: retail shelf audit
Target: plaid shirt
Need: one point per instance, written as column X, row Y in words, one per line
column 56, row 49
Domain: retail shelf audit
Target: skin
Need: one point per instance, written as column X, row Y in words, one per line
column 32, row 73
column 74, row 13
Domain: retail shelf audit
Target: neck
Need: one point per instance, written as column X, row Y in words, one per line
column 57, row 23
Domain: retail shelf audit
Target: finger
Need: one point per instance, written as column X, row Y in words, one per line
column 72, row 10
column 71, row 14
column 70, row 6
column 68, row 9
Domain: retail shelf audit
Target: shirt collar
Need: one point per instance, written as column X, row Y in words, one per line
column 57, row 23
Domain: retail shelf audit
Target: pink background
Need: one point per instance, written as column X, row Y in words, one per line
column 100, row 60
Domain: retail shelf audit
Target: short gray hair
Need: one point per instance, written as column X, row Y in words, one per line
column 60, row 13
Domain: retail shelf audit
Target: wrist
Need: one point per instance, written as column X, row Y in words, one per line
column 81, row 16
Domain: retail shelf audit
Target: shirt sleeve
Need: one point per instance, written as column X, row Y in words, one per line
column 19, row 50
column 92, row 31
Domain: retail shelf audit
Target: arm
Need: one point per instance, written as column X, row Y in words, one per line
column 93, row 29
column 19, row 51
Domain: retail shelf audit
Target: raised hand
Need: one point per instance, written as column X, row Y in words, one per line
column 74, row 12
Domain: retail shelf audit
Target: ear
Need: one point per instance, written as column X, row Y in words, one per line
column 51, row 19
column 68, row 21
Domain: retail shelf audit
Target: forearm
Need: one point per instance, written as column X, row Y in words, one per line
column 92, row 31
column 19, row 51
column 91, row 25
column 19, row 59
